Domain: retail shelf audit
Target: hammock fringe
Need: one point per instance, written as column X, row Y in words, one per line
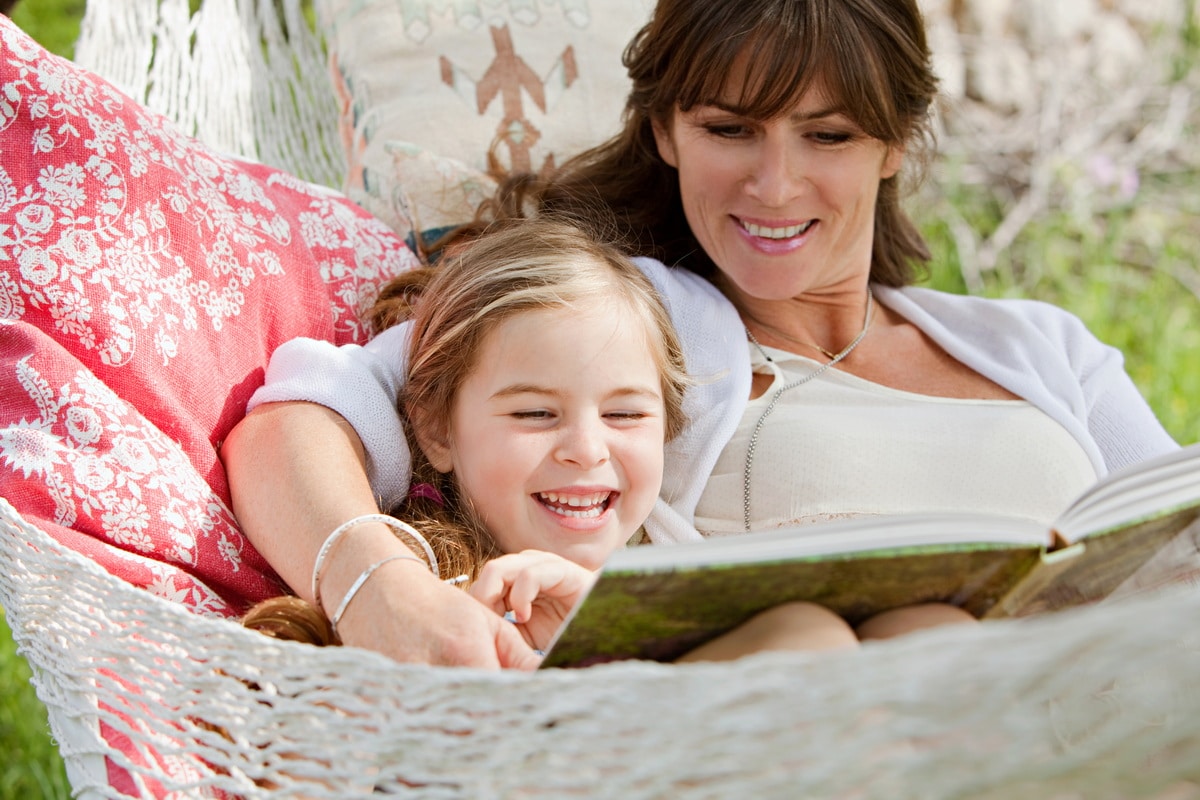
column 246, row 76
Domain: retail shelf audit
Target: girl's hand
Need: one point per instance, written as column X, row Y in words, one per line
column 539, row 588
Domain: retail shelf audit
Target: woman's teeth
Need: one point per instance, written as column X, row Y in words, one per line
column 786, row 232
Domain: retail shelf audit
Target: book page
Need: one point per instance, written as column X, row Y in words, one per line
column 1155, row 487
column 857, row 535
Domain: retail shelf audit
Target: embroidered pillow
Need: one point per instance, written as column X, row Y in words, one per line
column 144, row 282
column 533, row 81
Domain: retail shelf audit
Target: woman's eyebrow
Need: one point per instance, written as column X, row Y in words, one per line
column 806, row 116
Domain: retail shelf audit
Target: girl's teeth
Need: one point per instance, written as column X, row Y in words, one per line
column 574, row 500
column 581, row 507
column 785, row 232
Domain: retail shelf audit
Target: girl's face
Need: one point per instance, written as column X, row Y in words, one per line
column 782, row 207
column 557, row 435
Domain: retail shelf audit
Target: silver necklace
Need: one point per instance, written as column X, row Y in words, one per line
column 833, row 359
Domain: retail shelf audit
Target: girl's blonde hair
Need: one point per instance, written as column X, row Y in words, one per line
column 515, row 266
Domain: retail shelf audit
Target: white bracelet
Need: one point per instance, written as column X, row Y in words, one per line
column 396, row 525
column 358, row 584
column 400, row 526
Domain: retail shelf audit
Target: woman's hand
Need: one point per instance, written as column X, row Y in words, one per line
column 539, row 588
column 406, row 613
column 297, row 471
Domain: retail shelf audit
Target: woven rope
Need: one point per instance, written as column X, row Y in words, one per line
column 246, row 76
column 1101, row 702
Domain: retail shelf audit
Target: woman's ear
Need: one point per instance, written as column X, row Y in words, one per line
column 434, row 442
column 666, row 145
column 893, row 160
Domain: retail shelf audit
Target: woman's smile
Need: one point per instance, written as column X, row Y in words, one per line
column 775, row 238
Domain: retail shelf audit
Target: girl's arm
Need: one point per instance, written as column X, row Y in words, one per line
column 539, row 588
column 296, row 473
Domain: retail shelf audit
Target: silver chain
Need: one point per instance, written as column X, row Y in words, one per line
column 779, row 393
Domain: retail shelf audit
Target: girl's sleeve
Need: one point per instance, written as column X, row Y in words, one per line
column 362, row 384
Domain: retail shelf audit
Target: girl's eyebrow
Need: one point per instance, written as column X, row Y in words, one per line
column 530, row 388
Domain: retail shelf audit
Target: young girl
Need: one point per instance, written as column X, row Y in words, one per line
column 543, row 379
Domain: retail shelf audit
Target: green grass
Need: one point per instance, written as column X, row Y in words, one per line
column 53, row 23
column 30, row 766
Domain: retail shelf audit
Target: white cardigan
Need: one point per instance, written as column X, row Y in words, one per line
column 1035, row 350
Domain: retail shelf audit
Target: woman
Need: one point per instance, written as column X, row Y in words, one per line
column 761, row 154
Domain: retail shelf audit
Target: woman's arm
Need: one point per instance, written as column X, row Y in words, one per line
column 296, row 472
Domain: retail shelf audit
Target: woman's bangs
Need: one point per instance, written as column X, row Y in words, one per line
column 761, row 74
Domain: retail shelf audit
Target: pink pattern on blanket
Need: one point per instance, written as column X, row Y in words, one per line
column 144, row 282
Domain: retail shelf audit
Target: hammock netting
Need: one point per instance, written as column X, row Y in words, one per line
column 1097, row 702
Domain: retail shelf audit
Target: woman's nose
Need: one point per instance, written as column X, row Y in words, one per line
column 583, row 444
column 777, row 171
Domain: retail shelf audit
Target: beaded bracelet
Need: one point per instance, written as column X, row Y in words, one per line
column 358, row 584
column 396, row 525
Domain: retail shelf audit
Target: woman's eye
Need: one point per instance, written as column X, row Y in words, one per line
column 832, row 137
column 727, row 130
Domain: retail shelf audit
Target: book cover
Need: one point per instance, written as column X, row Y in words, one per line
column 658, row 602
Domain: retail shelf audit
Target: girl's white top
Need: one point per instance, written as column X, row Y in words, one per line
column 1035, row 350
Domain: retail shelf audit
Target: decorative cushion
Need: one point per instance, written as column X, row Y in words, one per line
column 144, row 282
column 428, row 87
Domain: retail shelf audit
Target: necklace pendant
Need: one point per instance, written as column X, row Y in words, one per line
column 834, row 358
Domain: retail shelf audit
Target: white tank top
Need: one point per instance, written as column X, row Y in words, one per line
column 840, row 446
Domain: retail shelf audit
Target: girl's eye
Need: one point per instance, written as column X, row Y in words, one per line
column 539, row 413
column 626, row 416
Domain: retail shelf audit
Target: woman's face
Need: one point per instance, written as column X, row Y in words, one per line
column 784, row 206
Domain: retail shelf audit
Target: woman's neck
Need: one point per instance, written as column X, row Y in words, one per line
column 818, row 323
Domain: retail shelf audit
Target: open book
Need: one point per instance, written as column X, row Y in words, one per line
column 658, row 602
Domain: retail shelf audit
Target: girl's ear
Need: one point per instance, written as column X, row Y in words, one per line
column 434, row 442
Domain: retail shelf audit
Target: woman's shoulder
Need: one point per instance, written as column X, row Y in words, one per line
column 958, row 311
column 678, row 281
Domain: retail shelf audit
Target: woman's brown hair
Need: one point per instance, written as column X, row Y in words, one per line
column 870, row 56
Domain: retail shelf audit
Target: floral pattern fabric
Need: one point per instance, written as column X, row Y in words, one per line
column 144, row 282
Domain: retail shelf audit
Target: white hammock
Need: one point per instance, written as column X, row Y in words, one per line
column 248, row 77
column 1103, row 702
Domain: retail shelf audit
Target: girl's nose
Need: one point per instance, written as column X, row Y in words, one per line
column 583, row 445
